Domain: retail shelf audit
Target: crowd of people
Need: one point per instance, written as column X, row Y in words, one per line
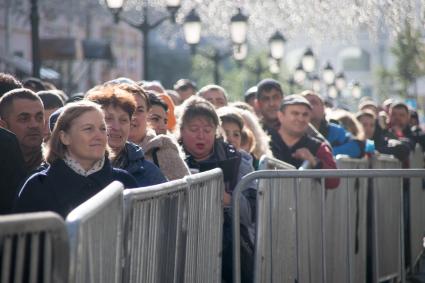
column 58, row 151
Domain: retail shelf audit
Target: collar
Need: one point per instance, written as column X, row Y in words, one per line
column 77, row 168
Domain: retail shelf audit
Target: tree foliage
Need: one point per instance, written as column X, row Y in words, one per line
column 410, row 57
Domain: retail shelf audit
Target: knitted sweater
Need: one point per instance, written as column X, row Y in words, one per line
column 168, row 155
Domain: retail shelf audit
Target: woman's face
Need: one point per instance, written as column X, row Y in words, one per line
column 158, row 119
column 198, row 136
column 118, row 127
column 368, row 126
column 86, row 139
column 233, row 134
column 138, row 121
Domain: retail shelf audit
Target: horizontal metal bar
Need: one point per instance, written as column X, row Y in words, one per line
column 96, row 203
column 341, row 173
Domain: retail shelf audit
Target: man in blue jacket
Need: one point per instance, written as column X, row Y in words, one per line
column 337, row 136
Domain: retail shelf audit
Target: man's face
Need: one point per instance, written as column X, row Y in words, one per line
column 268, row 103
column 294, row 119
column 318, row 108
column 26, row 121
column 216, row 97
column 399, row 117
column 186, row 92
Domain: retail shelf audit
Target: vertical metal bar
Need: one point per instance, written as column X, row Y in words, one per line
column 19, row 262
column 322, row 208
column 403, row 276
column 297, row 227
column 6, row 259
column 349, row 263
column 47, row 266
column 34, row 257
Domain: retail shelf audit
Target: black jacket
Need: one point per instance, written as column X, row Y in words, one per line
column 12, row 170
column 60, row 189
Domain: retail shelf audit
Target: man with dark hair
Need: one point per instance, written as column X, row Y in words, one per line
column 340, row 140
column 22, row 113
column 52, row 101
column 185, row 88
column 34, row 84
column 7, row 83
column 399, row 126
column 269, row 98
column 291, row 143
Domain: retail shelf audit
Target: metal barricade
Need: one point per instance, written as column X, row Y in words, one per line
column 269, row 163
column 95, row 233
column 387, row 206
column 173, row 231
column 155, row 232
column 33, row 248
column 204, row 227
column 273, row 250
column 346, row 225
column 416, row 207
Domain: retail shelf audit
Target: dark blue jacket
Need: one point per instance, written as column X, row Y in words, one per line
column 145, row 172
column 60, row 189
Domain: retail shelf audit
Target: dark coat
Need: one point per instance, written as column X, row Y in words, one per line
column 145, row 172
column 12, row 170
column 60, row 189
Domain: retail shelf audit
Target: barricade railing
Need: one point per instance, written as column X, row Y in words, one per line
column 95, row 235
column 277, row 255
column 346, row 227
column 416, row 208
column 33, row 248
column 173, row 231
column 269, row 163
column 387, row 225
column 205, row 226
column 154, row 236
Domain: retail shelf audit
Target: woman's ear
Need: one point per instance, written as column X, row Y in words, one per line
column 64, row 138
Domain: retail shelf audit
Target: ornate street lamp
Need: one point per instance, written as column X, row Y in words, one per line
column 315, row 83
column 274, row 66
column 332, row 91
column 299, row 75
column 328, row 74
column 308, row 61
column 116, row 7
column 340, row 81
column 277, row 45
column 238, row 31
column 239, row 28
column 240, row 52
column 356, row 90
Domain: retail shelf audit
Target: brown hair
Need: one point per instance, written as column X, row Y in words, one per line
column 6, row 100
column 55, row 149
column 229, row 114
column 198, row 107
column 137, row 90
column 111, row 95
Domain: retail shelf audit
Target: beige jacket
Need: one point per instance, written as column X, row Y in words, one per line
column 168, row 152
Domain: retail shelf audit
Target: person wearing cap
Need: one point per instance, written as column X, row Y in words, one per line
column 291, row 143
column 185, row 88
column 340, row 139
column 250, row 96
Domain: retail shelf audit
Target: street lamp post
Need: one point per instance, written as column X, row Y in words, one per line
column 308, row 61
column 238, row 31
column 35, row 40
column 116, row 6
